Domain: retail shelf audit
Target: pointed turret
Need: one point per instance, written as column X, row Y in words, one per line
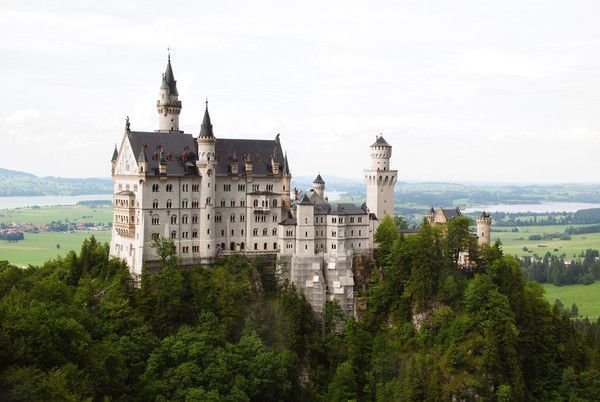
column 319, row 186
column 206, row 129
column 142, row 161
column 319, row 180
column 168, row 105
column 162, row 164
column 115, row 154
column 113, row 161
column 169, row 78
column 286, row 166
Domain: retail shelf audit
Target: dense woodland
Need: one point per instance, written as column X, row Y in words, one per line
column 77, row 328
column 555, row 270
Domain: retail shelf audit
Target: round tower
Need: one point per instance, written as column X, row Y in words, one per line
column 319, row 186
column 380, row 179
column 168, row 104
column 207, row 168
column 484, row 229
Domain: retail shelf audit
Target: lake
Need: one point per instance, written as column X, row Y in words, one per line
column 538, row 208
column 49, row 200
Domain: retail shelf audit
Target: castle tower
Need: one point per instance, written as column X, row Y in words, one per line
column 305, row 227
column 206, row 167
column 168, row 104
column 286, row 177
column 319, row 186
column 380, row 180
column 484, row 229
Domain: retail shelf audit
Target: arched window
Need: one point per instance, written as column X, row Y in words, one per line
column 274, row 203
column 194, row 218
column 155, row 204
column 155, row 220
column 173, row 219
column 184, row 203
column 169, row 204
column 242, row 245
column 265, row 246
column 265, row 232
column 207, row 200
column 256, row 203
column 274, row 246
column 232, row 218
column 232, row 246
column 184, row 219
column 255, row 232
column 173, row 234
column 274, row 232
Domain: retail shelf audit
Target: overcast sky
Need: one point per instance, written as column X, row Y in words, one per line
column 502, row 91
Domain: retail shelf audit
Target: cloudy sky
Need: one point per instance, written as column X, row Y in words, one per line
column 502, row 91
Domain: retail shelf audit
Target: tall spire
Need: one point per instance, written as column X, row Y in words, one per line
column 169, row 77
column 115, row 154
column 206, row 129
column 286, row 165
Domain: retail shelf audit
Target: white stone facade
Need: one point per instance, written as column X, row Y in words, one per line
column 218, row 196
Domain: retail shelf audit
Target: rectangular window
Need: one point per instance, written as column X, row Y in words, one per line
column 241, row 187
column 226, row 187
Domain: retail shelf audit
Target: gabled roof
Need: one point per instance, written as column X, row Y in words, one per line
column 305, row 200
column 319, row 180
column 289, row 220
column 142, row 155
column 380, row 142
column 451, row 213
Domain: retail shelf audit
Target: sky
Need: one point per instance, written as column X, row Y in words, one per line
column 481, row 91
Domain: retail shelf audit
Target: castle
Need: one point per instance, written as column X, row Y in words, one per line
column 219, row 196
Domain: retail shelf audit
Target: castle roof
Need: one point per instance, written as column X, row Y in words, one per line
column 338, row 209
column 286, row 165
column 115, row 154
column 169, row 81
column 180, row 152
column 289, row 220
column 451, row 213
column 484, row 215
column 206, row 129
column 319, row 180
column 304, row 200
column 257, row 151
column 177, row 150
column 142, row 155
column 380, row 141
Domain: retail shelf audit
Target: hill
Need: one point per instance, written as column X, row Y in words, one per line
column 16, row 183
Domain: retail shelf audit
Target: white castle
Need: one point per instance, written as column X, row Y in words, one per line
column 219, row 196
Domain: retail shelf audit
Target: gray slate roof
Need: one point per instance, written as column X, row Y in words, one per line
column 451, row 213
column 206, row 129
column 380, row 142
column 319, row 180
column 179, row 148
column 115, row 154
column 180, row 151
column 169, row 79
column 339, row 209
column 259, row 151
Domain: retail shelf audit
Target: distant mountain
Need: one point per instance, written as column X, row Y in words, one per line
column 16, row 183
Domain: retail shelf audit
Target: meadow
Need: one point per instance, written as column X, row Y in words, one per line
column 64, row 213
column 40, row 247
column 513, row 242
column 584, row 296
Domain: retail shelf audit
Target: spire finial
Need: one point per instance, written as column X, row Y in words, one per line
column 206, row 102
column 127, row 124
column 169, row 54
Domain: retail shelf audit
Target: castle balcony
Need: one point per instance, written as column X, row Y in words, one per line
column 124, row 213
column 261, row 210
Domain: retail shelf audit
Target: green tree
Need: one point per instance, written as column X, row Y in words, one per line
column 165, row 248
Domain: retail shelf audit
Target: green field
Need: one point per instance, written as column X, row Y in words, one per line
column 513, row 243
column 585, row 296
column 39, row 247
column 70, row 213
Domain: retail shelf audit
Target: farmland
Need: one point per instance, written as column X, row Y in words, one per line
column 66, row 213
column 585, row 296
column 39, row 247
column 514, row 242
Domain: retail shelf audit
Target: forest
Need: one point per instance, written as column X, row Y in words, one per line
column 77, row 328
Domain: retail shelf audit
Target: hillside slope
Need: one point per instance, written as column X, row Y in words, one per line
column 15, row 183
